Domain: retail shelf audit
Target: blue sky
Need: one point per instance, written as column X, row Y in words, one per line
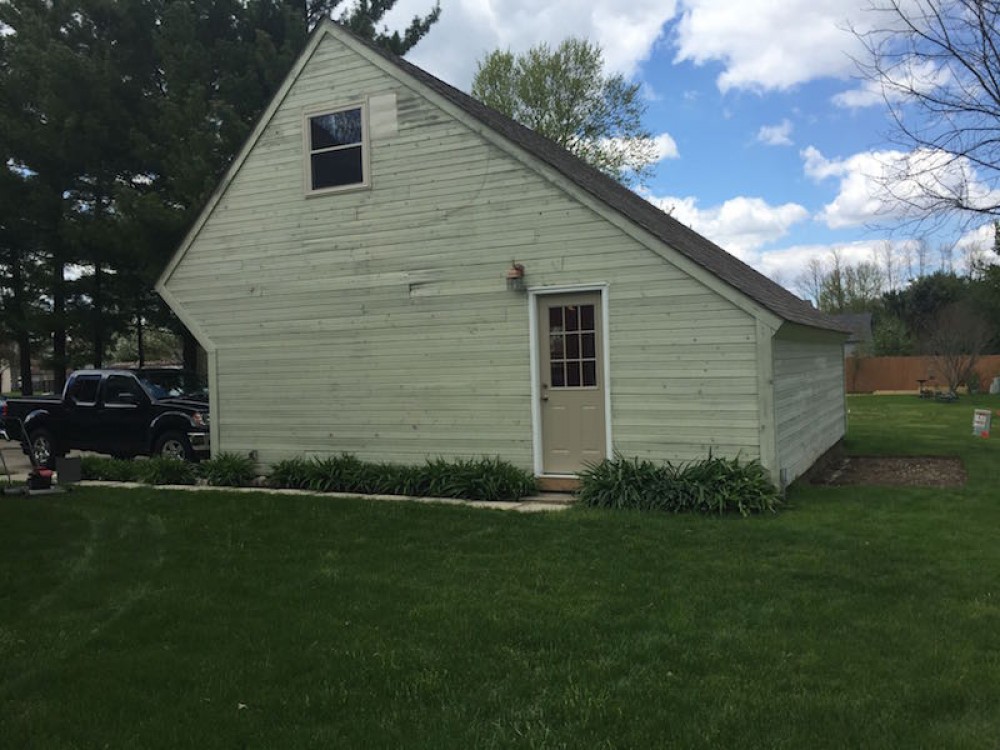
column 772, row 146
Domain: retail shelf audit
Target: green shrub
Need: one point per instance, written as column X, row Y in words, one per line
column 711, row 485
column 290, row 473
column 228, row 470
column 108, row 469
column 166, row 471
column 472, row 479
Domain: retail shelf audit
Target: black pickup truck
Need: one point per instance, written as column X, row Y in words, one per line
column 125, row 413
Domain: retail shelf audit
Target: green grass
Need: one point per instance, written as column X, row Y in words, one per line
column 856, row 617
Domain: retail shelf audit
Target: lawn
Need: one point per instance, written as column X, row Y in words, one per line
column 857, row 617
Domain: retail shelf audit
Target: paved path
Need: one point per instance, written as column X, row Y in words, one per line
column 546, row 502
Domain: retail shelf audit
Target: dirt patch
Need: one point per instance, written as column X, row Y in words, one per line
column 899, row 471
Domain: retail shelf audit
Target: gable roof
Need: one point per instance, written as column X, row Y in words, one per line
column 609, row 191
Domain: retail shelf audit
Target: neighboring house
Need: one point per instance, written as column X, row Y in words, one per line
column 354, row 282
column 860, row 341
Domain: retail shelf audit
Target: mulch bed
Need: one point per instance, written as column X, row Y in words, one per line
column 898, row 471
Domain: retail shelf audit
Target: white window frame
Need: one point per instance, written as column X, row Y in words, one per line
column 307, row 150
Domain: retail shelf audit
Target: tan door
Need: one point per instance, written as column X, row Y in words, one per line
column 571, row 357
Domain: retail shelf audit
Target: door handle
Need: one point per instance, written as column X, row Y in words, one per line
column 545, row 388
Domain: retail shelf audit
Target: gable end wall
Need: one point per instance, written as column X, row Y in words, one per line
column 378, row 322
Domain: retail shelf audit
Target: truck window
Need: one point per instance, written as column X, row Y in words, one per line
column 117, row 390
column 83, row 389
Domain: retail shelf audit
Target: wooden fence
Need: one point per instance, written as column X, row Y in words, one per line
column 870, row 374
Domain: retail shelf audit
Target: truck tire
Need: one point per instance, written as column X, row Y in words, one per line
column 174, row 445
column 42, row 447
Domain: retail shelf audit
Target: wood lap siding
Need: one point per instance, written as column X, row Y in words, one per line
column 378, row 321
column 808, row 395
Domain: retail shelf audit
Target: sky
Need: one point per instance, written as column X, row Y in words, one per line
column 771, row 144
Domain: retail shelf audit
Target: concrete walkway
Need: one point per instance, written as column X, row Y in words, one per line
column 545, row 502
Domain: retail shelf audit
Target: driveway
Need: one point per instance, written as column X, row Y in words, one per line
column 17, row 463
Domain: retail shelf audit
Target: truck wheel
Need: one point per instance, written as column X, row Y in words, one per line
column 43, row 452
column 173, row 445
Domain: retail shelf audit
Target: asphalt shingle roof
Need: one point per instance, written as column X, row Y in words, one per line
column 664, row 227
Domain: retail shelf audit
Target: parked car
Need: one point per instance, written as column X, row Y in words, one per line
column 124, row 413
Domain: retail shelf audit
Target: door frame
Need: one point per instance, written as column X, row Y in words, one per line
column 536, row 383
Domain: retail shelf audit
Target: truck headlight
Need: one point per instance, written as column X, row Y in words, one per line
column 200, row 419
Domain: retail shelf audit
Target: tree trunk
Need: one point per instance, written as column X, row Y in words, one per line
column 21, row 335
column 97, row 310
column 140, row 344
column 58, row 324
column 24, row 362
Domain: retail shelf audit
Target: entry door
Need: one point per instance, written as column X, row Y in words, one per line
column 571, row 358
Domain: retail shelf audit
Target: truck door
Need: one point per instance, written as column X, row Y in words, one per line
column 81, row 420
column 125, row 416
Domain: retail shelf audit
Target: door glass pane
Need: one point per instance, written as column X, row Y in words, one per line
column 558, row 381
column 572, row 318
column 555, row 319
column 573, row 346
column 557, row 349
column 589, row 349
column 587, row 317
column 573, row 374
column 590, row 374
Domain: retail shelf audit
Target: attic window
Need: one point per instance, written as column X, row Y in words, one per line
column 336, row 143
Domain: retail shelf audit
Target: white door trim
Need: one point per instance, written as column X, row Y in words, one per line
column 536, row 383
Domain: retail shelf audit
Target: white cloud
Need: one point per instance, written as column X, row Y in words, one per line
column 469, row 29
column 741, row 225
column 890, row 184
column 767, row 45
column 921, row 77
column 666, row 147
column 776, row 135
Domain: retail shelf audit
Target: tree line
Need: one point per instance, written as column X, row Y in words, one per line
column 116, row 121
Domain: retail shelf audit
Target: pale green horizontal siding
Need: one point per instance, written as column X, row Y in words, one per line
column 378, row 321
column 808, row 396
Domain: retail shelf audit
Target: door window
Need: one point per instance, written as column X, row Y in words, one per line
column 121, row 390
column 84, row 389
column 573, row 346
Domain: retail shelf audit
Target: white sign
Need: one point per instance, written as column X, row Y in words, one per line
column 981, row 419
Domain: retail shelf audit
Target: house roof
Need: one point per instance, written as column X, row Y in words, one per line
column 664, row 227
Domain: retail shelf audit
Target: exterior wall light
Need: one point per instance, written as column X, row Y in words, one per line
column 515, row 277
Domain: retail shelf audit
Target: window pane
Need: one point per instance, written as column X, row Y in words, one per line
column 555, row 319
column 333, row 168
column 558, row 381
column 590, row 373
column 85, row 389
column 573, row 346
column 572, row 319
column 589, row 349
column 337, row 129
column 573, row 374
column 587, row 317
column 556, row 347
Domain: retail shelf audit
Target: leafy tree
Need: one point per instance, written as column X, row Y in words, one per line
column 840, row 287
column 564, row 94
column 937, row 66
column 891, row 338
column 955, row 340
column 116, row 121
